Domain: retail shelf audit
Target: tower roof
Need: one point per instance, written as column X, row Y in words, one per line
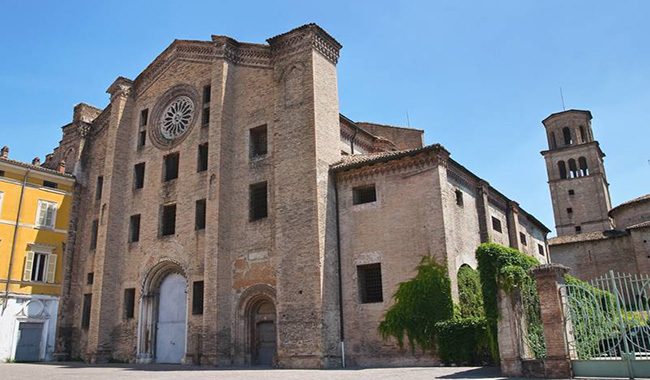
column 553, row 115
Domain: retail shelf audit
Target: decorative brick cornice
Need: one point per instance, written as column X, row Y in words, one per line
column 457, row 176
column 120, row 88
column 302, row 38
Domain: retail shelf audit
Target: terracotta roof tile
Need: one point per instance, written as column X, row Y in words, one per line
column 631, row 201
column 35, row 167
column 589, row 236
column 359, row 160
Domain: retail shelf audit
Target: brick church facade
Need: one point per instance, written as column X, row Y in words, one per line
column 226, row 213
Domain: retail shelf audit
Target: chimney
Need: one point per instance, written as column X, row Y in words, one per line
column 4, row 152
column 36, row 161
column 61, row 168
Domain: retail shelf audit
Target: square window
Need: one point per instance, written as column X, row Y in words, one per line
column 459, row 197
column 2, row 173
column 202, row 159
column 99, row 188
column 138, row 176
column 134, row 228
column 199, row 218
column 569, row 210
column 144, row 117
column 364, row 194
column 197, row 298
column 142, row 138
column 90, row 278
column 258, row 141
column 522, row 238
column 85, row 317
column 496, row 224
column 52, row 185
column 168, row 220
column 129, row 303
column 171, row 166
column 572, row 192
column 578, row 229
column 370, row 284
column 93, row 234
column 258, row 203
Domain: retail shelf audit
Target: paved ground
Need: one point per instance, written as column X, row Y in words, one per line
column 80, row 371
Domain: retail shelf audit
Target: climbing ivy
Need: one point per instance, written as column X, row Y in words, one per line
column 464, row 341
column 470, row 296
column 501, row 268
column 419, row 304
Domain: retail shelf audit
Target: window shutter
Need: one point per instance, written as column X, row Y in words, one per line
column 51, row 268
column 51, row 209
column 42, row 213
column 29, row 263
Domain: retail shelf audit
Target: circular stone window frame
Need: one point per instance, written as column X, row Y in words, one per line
column 169, row 97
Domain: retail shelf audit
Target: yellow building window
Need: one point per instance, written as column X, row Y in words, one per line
column 40, row 267
column 46, row 214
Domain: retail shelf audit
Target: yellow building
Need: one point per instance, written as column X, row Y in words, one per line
column 35, row 205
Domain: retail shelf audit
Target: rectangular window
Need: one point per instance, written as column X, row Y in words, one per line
column 496, row 224
column 364, row 194
column 134, row 228
column 258, row 141
column 199, row 215
column 540, row 249
column 459, row 197
column 39, row 267
column 85, row 316
column 522, row 238
column 142, row 138
column 99, row 188
column 197, row 298
column 370, row 284
column 90, row 278
column 202, row 159
column 168, row 220
column 46, row 214
column 129, row 303
column 171, row 166
column 2, row 173
column 93, row 234
column 52, row 185
column 258, row 203
column 2, row 195
column 138, row 176
column 572, row 192
column 144, row 117
column 205, row 116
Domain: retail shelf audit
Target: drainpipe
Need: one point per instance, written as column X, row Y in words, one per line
column 338, row 252
column 13, row 243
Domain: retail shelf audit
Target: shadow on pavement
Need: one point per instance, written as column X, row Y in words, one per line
column 475, row 373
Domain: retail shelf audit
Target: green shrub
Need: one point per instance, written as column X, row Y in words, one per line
column 464, row 341
column 470, row 295
column 419, row 304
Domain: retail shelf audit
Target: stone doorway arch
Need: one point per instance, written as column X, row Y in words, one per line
column 163, row 305
column 257, row 327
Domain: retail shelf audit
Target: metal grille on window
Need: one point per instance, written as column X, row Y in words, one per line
column 364, row 194
column 85, row 317
column 496, row 224
column 370, row 284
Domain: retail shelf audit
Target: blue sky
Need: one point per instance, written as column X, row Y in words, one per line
column 477, row 76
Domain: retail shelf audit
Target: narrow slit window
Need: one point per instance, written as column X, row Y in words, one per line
column 94, row 234
column 144, row 117
column 85, row 316
column 142, row 138
column 199, row 219
column 99, row 188
column 202, row 159
column 364, row 194
column 205, row 115
column 134, row 228
column 129, row 303
column 197, row 298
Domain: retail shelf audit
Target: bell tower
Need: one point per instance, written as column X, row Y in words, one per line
column 576, row 174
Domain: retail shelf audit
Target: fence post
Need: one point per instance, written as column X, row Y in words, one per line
column 549, row 278
column 509, row 335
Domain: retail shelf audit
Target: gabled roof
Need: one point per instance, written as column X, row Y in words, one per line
column 35, row 167
column 586, row 112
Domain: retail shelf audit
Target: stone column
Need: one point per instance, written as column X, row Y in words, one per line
column 509, row 334
column 549, row 278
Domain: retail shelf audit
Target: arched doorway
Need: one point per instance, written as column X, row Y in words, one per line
column 262, row 319
column 162, row 331
column 172, row 318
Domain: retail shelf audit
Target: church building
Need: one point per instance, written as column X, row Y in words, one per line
column 226, row 213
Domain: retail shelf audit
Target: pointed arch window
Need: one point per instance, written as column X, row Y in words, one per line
column 584, row 169
column 562, row 168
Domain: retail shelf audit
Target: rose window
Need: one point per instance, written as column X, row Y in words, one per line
column 177, row 117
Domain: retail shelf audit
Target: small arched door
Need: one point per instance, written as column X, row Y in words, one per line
column 265, row 336
column 172, row 317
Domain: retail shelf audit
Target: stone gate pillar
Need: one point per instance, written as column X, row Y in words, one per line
column 549, row 278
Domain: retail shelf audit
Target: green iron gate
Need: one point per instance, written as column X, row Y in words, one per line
column 607, row 325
